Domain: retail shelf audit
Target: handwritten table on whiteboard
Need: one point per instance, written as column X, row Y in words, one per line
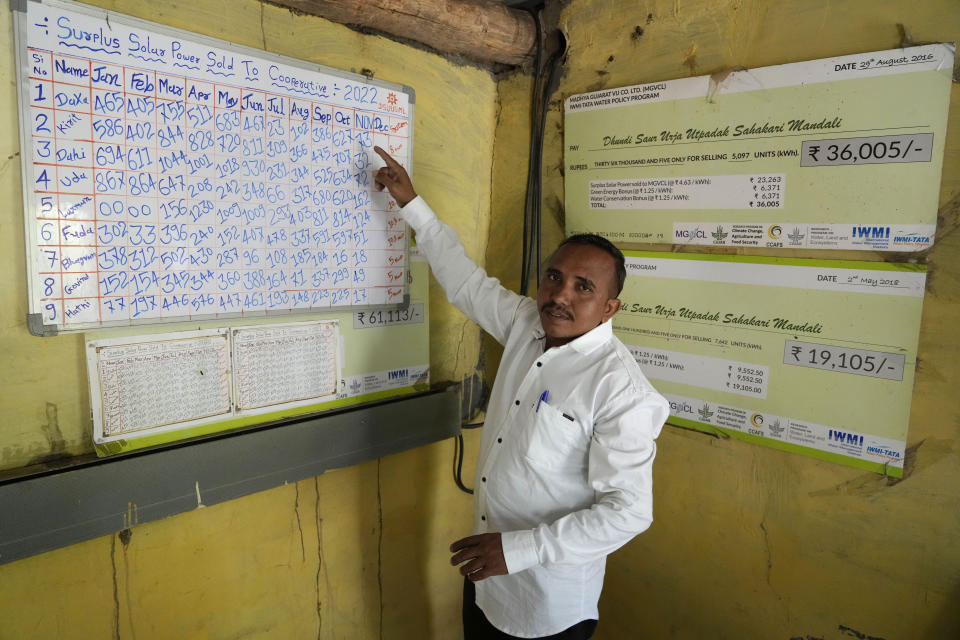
column 168, row 178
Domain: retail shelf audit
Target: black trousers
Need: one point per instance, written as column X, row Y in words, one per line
column 477, row 627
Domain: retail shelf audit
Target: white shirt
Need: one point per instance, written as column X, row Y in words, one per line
column 566, row 480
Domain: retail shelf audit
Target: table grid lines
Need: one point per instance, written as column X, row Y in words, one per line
column 167, row 166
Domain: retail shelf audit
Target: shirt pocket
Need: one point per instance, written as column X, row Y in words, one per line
column 555, row 442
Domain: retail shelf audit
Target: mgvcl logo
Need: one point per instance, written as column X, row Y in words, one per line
column 687, row 233
column 676, row 407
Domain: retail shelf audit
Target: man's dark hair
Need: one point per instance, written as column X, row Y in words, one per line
column 593, row 240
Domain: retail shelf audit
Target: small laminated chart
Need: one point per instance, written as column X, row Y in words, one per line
column 144, row 385
column 160, row 384
column 169, row 176
column 285, row 363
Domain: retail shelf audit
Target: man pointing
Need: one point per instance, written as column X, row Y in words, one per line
column 564, row 473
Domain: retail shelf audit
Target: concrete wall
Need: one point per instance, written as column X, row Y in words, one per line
column 355, row 553
column 749, row 542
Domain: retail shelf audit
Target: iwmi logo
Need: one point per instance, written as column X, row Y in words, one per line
column 397, row 374
column 845, row 438
column 871, row 233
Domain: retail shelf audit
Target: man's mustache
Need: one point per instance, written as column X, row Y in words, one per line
column 553, row 307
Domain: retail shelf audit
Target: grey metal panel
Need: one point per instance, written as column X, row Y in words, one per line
column 37, row 328
column 44, row 512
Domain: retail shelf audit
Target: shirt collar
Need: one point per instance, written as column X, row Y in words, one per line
column 588, row 341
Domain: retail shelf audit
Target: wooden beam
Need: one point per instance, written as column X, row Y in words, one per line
column 482, row 30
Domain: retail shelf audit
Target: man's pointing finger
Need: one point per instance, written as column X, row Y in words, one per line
column 393, row 164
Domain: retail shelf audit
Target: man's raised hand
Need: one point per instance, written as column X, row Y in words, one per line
column 395, row 179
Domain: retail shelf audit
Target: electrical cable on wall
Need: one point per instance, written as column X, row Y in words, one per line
column 531, row 259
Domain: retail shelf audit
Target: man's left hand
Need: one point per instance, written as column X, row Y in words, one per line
column 483, row 555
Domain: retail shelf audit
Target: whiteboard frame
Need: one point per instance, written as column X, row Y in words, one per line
column 35, row 322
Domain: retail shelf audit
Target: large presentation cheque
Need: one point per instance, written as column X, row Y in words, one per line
column 840, row 153
column 809, row 356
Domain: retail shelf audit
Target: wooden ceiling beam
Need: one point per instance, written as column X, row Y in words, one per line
column 483, row 30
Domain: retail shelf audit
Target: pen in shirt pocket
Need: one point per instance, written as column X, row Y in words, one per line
column 544, row 397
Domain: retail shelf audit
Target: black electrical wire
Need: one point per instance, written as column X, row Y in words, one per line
column 532, row 258
column 458, row 457
column 532, row 172
column 553, row 79
column 458, row 464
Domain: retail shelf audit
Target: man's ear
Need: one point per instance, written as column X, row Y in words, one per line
column 610, row 308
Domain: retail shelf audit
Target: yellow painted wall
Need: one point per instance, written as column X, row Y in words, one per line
column 749, row 542
column 355, row 553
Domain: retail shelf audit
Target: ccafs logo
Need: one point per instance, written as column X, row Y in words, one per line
column 756, row 422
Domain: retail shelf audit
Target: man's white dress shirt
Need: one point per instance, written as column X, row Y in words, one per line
column 566, row 480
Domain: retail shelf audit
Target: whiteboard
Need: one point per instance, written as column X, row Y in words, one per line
column 168, row 176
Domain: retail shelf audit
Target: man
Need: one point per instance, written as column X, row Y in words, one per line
column 564, row 473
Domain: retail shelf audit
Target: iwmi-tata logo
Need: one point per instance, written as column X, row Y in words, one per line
column 911, row 239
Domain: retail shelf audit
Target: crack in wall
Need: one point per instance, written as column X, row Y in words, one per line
column 769, row 555
column 380, row 548
column 316, row 486
column 125, row 537
column 263, row 33
column 296, row 511
column 116, row 595
column 463, row 331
